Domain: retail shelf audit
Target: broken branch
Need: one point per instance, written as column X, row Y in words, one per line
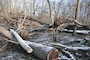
column 21, row 42
column 60, row 47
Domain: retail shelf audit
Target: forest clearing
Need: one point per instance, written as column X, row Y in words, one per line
column 44, row 29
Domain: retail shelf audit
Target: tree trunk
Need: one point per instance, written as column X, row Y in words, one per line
column 43, row 52
column 50, row 9
column 76, row 16
column 59, row 6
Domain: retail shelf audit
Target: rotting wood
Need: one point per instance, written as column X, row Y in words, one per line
column 43, row 52
column 21, row 42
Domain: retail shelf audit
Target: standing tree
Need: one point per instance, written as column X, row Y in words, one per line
column 59, row 5
column 76, row 16
column 50, row 9
column 33, row 8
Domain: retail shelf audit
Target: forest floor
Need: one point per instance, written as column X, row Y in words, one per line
column 16, row 52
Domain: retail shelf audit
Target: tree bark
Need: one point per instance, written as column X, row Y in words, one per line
column 76, row 16
column 43, row 52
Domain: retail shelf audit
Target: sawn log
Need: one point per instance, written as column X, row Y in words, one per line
column 43, row 52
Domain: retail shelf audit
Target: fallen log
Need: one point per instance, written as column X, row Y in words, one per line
column 77, row 31
column 61, row 47
column 43, row 52
column 79, row 27
column 21, row 42
column 37, row 29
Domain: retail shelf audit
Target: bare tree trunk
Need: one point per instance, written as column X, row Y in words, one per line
column 58, row 12
column 76, row 16
column 50, row 9
column 9, row 5
column 33, row 8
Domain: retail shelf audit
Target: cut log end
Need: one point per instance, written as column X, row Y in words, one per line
column 24, row 34
column 53, row 55
column 30, row 50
